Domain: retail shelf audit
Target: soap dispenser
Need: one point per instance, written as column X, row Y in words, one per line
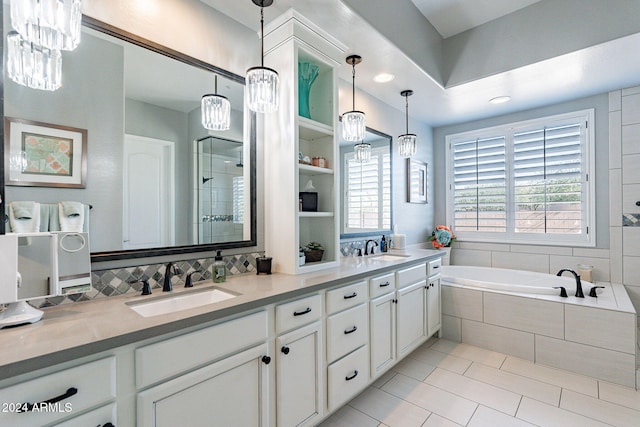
column 219, row 269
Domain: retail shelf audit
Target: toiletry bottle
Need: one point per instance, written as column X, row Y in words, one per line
column 219, row 269
column 383, row 244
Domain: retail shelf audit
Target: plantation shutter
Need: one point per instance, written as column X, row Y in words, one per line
column 238, row 199
column 479, row 185
column 547, row 171
column 368, row 195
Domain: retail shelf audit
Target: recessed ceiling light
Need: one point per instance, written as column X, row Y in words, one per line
column 383, row 78
column 500, row 100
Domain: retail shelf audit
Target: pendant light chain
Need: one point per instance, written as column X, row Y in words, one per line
column 353, row 86
column 406, row 97
column 262, row 36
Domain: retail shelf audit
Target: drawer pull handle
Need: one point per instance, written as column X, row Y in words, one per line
column 108, row 425
column 71, row 391
column 266, row 360
column 350, row 331
column 436, row 267
column 300, row 313
column 353, row 295
column 349, row 378
column 385, row 284
column 285, row 349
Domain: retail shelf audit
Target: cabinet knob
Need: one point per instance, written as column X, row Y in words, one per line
column 285, row 349
column 638, row 203
column 266, row 360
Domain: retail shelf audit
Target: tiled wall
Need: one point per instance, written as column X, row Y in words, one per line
column 624, row 189
column 121, row 281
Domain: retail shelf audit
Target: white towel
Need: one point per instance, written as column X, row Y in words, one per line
column 24, row 217
column 71, row 216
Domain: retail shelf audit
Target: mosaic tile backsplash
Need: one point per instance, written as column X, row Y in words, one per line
column 114, row 282
column 122, row 281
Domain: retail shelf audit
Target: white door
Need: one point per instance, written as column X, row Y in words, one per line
column 383, row 333
column 148, row 195
column 411, row 317
column 298, row 377
column 433, row 307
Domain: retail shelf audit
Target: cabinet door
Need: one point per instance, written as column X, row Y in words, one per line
column 411, row 317
column 383, row 333
column 231, row 392
column 299, row 381
column 433, row 306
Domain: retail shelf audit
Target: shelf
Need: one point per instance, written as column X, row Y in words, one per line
column 310, row 129
column 313, row 170
column 315, row 214
column 314, row 266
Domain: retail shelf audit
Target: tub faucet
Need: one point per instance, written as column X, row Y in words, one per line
column 579, row 293
column 167, row 286
column 366, row 246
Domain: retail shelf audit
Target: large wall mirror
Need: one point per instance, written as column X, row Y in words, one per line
column 157, row 181
column 365, row 194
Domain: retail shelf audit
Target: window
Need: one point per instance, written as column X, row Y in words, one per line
column 238, row 199
column 368, row 192
column 526, row 182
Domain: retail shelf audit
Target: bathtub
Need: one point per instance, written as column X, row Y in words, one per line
column 519, row 313
column 513, row 281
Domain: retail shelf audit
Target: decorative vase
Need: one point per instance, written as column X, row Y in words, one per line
column 307, row 74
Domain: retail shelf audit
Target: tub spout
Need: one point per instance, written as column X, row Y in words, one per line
column 579, row 292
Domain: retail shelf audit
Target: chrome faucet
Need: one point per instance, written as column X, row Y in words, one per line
column 366, row 246
column 579, row 293
column 167, row 286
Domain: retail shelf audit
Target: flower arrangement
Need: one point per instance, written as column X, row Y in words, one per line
column 442, row 237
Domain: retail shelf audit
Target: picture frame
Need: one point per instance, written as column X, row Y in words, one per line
column 416, row 181
column 44, row 155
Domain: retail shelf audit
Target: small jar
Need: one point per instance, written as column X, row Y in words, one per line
column 320, row 162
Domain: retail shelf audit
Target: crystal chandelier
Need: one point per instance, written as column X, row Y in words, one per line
column 216, row 110
column 262, row 82
column 362, row 152
column 353, row 122
column 31, row 65
column 53, row 24
column 407, row 141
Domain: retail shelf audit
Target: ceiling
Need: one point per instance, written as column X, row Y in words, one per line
column 451, row 17
column 599, row 67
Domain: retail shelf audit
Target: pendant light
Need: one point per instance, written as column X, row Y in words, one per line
column 407, row 141
column 262, row 82
column 52, row 24
column 216, row 110
column 31, row 65
column 362, row 152
column 353, row 122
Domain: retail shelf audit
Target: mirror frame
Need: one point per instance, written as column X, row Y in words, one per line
column 383, row 231
column 118, row 33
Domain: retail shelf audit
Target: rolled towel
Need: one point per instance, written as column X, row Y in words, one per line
column 24, row 217
column 72, row 217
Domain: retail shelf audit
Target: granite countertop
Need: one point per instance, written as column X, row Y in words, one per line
column 70, row 331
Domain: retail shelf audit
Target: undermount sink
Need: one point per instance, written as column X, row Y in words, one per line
column 388, row 257
column 182, row 301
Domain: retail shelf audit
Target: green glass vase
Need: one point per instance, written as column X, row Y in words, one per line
column 307, row 73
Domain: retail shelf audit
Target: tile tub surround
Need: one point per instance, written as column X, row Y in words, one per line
column 595, row 337
column 121, row 281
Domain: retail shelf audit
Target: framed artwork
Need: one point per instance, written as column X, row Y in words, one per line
column 416, row 181
column 44, row 155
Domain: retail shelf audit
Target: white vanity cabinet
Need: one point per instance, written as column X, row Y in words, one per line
column 66, row 397
column 382, row 309
column 207, row 377
column 434, row 301
column 299, row 361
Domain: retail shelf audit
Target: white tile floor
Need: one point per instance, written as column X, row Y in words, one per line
column 444, row 383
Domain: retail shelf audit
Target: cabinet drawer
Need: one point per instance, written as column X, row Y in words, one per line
column 411, row 275
column 298, row 313
column 433, row 267
column 346, row 296
column 170, row 357
column 347, row 377
column 346, row 331
column 98, row 417
column 381, row 285
column 95, row 383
